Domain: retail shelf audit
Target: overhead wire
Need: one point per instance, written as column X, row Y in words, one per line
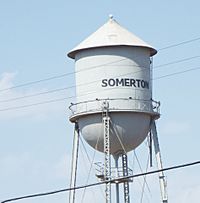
column 71, row 97
column 65, row 88
column 70, row 73
column 34, row 82
column 177, row 73
column 36, row 94
column 103, row 182
column 176, row 61
column 178, row 44
column 58, row 76
column 35, row 104
column 73, row 86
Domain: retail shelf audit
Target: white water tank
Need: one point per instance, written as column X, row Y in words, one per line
column 113, row 67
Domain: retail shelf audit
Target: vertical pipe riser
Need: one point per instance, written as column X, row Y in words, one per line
column 116, row 157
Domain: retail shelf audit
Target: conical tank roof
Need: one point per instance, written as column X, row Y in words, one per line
column 111, row 34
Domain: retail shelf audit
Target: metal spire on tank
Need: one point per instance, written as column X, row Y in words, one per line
column 110, row 16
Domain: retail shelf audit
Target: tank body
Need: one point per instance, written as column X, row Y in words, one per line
column 120, row 77
column 113, row 72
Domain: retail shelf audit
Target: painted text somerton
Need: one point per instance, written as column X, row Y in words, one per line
column 125, row 82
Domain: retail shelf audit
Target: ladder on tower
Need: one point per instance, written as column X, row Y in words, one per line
column 107, row 167
column 126, row 182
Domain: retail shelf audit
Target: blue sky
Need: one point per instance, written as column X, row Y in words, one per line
column 35, row 147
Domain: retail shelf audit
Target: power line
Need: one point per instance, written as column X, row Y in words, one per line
column 73, row 86
column 71, row 97
column 177, row 61
column 34, row 82
column 103, row 182
column 36, row 94
column 36, row 104
column 70, row 73
column 57, row 76
column 177, row 73
column 180, row 43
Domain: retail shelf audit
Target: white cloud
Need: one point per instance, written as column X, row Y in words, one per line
column 6, row 80
column 40, row 112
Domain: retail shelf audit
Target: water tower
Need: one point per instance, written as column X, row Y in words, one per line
column 114, row 109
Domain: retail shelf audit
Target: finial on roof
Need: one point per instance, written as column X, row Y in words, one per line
column 111, row 16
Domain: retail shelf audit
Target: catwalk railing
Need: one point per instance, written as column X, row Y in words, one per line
column 116, row 104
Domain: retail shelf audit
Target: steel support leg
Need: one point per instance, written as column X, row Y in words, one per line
column 163, row 183
column 116, row 157
column 126, row 183
column 150, row 149
column 74, row 163
column 107, row 170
